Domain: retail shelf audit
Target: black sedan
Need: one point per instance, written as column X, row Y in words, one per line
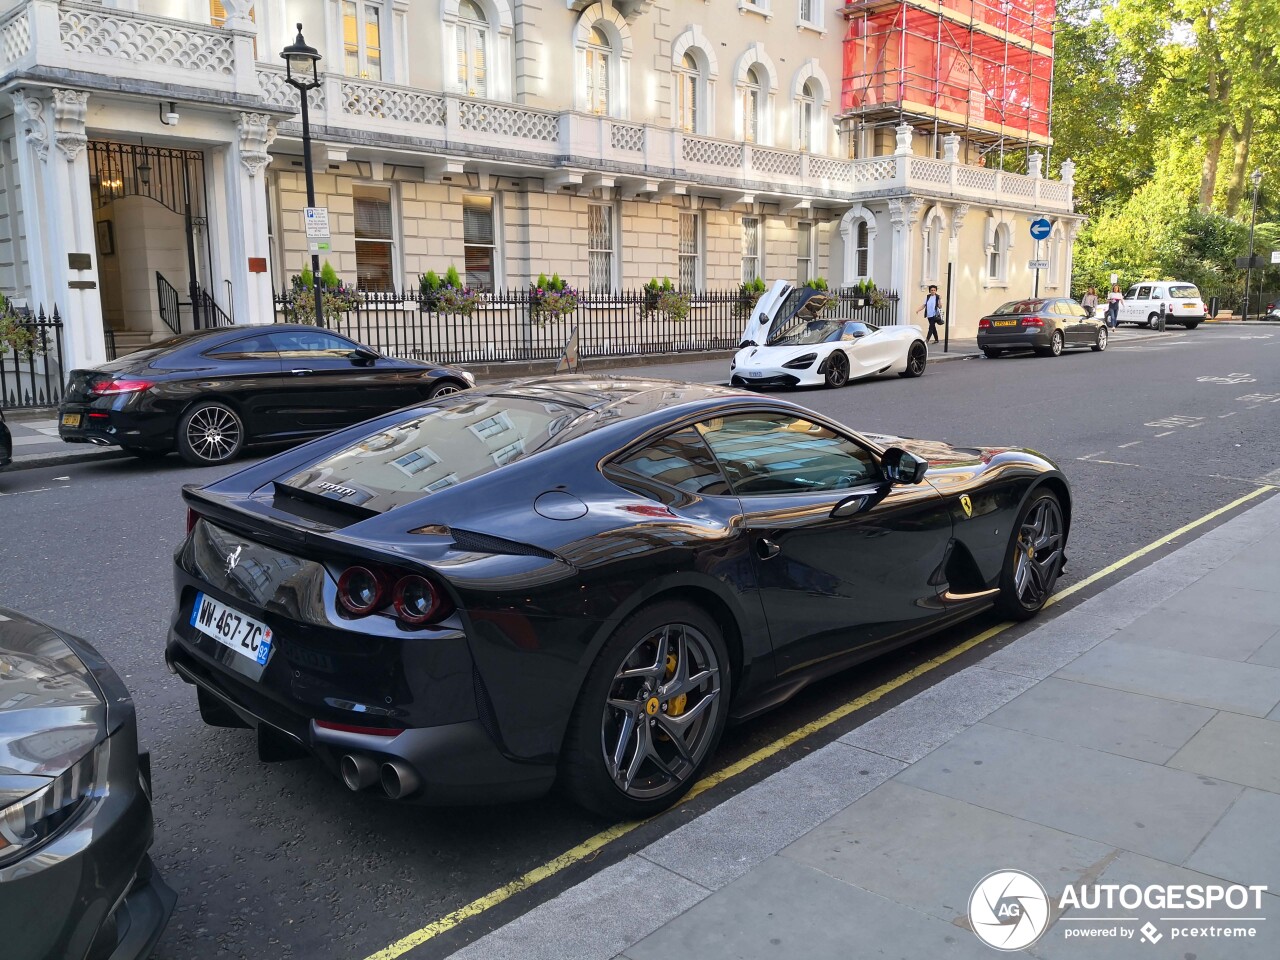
column 6, row 443
column 75, row 805
column 1047, row 326
column 211, row 392
column 583, row 580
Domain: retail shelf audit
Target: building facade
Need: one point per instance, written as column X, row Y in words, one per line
column 708, row 141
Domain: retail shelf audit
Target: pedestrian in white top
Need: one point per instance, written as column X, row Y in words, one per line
column 1114, row 299
column 932, row 310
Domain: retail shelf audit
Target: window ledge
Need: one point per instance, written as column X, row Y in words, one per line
column 803, row 25
column 996, row 284
column 746, row 6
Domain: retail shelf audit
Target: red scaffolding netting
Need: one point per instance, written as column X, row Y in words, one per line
column 980, row 65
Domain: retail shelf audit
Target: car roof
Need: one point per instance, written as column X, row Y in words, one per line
column 625, row 397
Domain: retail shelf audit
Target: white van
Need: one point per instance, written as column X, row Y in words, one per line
column 1182, row 303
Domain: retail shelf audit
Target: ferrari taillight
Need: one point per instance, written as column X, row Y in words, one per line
column 415, row 599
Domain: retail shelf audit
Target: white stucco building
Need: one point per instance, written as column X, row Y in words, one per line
column 147, row 144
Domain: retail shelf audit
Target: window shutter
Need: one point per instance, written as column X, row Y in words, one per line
column 479, row 68
column 602, row 83
column 477, row 223
column 460, row 34
column 373, row 219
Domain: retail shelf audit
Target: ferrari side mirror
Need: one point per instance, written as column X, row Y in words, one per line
column 902, row 467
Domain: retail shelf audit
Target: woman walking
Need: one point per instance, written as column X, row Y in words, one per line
column 1114, row 299
column 1090, row 300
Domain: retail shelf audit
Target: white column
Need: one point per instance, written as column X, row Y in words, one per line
column 54, row 168
column 246, row 206
column 904, row 214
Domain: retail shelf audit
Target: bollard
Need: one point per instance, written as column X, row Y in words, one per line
column 1163, row 307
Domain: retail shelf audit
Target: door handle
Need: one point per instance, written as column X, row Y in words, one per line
column 302, row 371
column 766, row 548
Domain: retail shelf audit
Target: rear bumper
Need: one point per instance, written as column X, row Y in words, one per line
column 454, row 763
column 1014, row 341
column 103, row 425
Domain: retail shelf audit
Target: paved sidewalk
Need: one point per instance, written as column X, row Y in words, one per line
column 1134, row 739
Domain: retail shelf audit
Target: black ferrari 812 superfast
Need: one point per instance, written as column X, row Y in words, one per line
column 580, row 581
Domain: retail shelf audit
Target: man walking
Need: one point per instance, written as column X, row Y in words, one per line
column 932, row 311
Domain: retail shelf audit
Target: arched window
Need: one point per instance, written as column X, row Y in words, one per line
column 751, row 106
column 687, row 80
column 931, row 247
column 998, row 255
column 862, row 251
column 805, row 116
column 596, row 68
column 472, row 44
column 362, row 39
column 1056, row 244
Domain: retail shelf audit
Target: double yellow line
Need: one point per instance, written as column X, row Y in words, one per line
column 592, row 845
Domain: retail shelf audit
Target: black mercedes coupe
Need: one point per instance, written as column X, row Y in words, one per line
column 209, row 393
column 582, row 581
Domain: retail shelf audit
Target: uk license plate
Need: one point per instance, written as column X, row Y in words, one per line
column 1004, row 323
column 755, row 373
column 231, row 628
column 71, row 419
column 1189, row 306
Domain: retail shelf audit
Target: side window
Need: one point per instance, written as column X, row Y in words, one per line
column 1131, row 293
column 770, row 453
column 1144, row 293
column 679, row 460
column 257, row 347
column 311, row 345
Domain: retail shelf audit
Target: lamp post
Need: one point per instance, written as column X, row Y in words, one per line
column 1256, row 179
column 301, row 64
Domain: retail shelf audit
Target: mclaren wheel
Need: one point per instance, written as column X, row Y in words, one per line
column 1035, row 558
column 837, row 369
column 650, row 713
column 1100, row 343
column 210, row 433
column 917, row 358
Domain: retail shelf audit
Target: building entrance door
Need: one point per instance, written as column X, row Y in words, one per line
column 152, row 228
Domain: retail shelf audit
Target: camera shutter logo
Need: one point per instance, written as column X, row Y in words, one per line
column 1008, row 910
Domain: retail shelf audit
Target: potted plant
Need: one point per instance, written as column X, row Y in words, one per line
column 447, row 295
column 14, row 334
column 748, row 294
column 817, row 283
column 665, row 299
column 551, row 298
column 336, row 297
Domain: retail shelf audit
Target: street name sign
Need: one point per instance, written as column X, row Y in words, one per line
column 1037, row 264
column 1275, row 256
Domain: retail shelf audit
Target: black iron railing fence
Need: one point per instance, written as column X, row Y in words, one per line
column 31, row 374
column 523, row 325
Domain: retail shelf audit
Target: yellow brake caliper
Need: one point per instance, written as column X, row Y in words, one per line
column 676, row 705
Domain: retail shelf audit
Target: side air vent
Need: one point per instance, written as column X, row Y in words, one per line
column 484, row 543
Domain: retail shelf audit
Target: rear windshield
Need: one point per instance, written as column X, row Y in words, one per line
column 1019, row 307
column 452, row 442
column 1184, row 291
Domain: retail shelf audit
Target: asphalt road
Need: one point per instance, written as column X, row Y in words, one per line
column 281, row 861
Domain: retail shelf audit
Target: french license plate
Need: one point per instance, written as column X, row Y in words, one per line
column 755, row 373
column 231, row 628
column 1004, row 323
column 71, row 419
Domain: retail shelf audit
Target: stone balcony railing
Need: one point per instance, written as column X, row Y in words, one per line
column 48, row 35
column 645, row 151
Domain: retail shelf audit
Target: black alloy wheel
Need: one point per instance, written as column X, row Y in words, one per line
column 650, row 713
column 837, row 369
column 992, row 352
column 1100, row 343
column 445, row 388
column 1034, row 559
column 917, row 357
column 210, row 433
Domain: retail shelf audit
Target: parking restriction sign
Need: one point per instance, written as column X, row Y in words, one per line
column 317, row 222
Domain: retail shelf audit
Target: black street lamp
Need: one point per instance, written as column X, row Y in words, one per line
column 1256, row 179
column 301, row 64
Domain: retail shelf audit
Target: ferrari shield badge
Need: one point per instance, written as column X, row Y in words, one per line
column 968, row 506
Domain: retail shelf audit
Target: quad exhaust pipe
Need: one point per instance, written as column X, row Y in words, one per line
column 399, row 780
column 358, row 771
